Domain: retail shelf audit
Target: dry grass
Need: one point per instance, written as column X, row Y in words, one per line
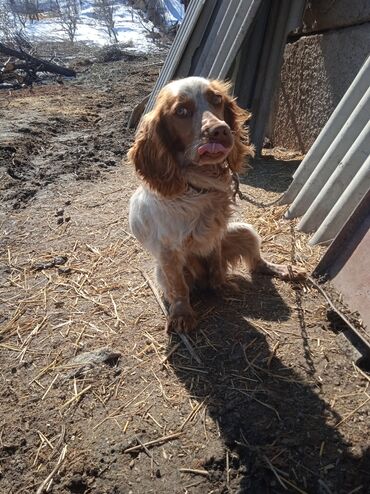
column 100, row 298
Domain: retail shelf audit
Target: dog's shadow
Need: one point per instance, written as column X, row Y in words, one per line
column 274, row 426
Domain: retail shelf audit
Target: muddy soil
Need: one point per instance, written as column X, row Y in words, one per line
column 95, row 396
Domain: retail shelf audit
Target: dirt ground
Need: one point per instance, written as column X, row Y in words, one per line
column 95, row 396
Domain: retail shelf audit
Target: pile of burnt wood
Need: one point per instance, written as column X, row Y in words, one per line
column 21, row 69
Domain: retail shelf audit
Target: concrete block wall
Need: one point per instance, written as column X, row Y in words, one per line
column 320, row 62
column 322, row 15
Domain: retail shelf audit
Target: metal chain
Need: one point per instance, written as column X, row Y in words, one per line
column 248, row 198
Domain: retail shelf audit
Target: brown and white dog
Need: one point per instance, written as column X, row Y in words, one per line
column 186, row 151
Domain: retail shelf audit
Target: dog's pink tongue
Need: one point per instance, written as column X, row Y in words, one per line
column 212, row 148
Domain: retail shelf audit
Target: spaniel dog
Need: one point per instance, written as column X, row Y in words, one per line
column 187, row 150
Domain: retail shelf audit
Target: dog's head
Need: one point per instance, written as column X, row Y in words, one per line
column 194, row 120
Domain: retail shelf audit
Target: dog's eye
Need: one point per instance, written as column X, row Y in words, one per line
column 216, row 99
column 183, row 112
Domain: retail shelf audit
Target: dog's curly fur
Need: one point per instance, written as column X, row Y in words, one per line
column 186, row 151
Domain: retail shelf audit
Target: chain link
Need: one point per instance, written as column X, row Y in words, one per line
column 248, row 198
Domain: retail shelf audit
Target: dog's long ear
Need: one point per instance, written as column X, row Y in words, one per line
column 236, row 118
column 153, row 158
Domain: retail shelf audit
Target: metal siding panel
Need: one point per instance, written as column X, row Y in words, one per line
column 200, row 34
column 217, row 51
column 345, row 205
column 232, row 43
column 211, row 46
column 282, row 16
column 337, row 183
column 338, row 118
column 226, row 37
column 177, row 49
column 335, row 175
column 250, row 56
column 335, row 152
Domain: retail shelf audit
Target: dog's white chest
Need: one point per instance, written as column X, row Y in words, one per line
column 194, row 221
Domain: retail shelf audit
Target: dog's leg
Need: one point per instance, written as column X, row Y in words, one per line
column 196, row 272
column 181, row 316
column 217, row 265
column 216, row 269
column 241, row 242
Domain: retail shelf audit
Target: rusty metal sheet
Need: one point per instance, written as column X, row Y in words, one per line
column 346, row 264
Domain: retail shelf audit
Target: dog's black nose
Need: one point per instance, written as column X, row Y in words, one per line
column 219, row 133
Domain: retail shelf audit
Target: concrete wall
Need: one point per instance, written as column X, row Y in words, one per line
column 318, row 68
column 321, row 15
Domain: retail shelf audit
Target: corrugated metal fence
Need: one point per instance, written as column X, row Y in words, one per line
column 242, row 40
column 335, row 175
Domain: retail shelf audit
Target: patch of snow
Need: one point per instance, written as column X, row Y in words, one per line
column 130, row 28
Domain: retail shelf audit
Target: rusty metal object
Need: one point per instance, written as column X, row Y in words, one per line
column 346, row 264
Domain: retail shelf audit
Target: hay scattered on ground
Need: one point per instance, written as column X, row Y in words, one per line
column 268, row 405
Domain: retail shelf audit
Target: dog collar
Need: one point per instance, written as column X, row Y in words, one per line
column 224, row 167
column 198, row 190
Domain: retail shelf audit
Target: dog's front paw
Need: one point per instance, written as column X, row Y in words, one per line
column 282, row 271
column 226, row 283
column 181, row 318
column 291, row 273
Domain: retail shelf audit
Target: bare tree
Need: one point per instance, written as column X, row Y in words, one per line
column 7, row 23
column 11, row 27
column 154, row 11
column 18, row 10
column 32, row 9
column 68, row 15
column 24, row 10
column 104, row 11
